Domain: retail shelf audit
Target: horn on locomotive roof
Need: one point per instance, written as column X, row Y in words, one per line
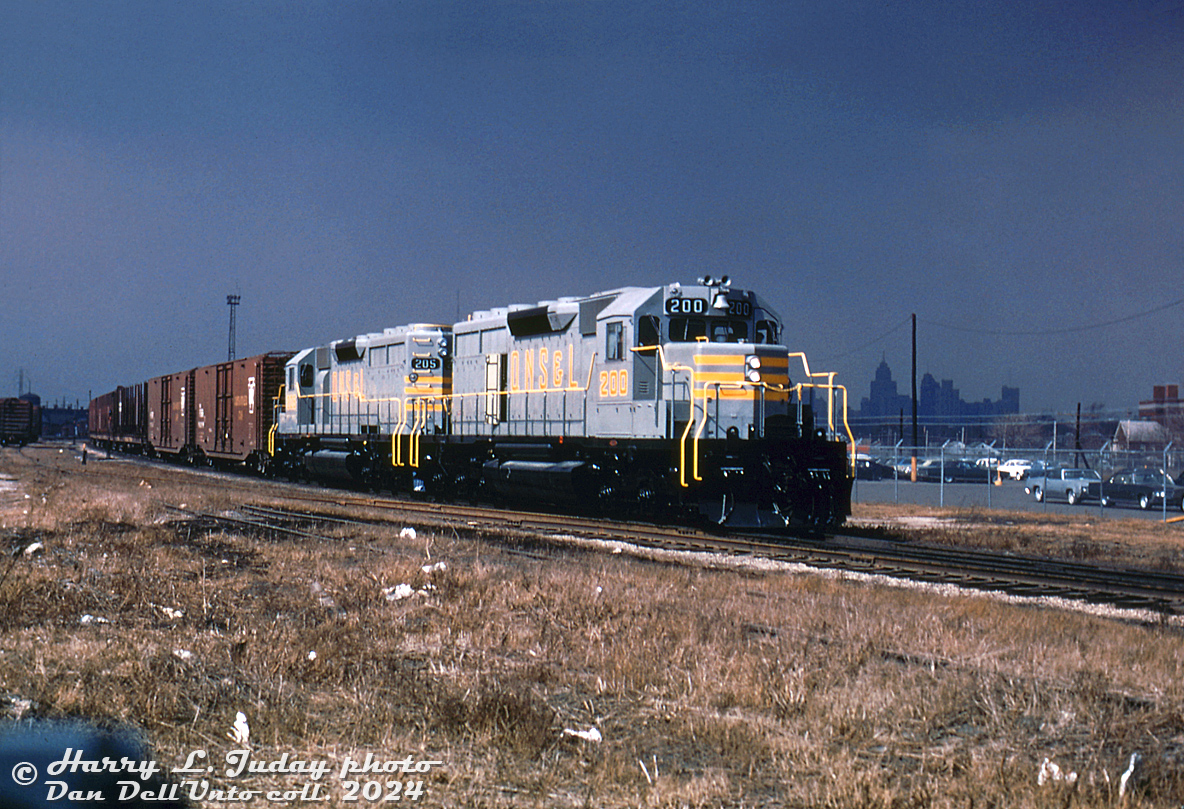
column 724, row 282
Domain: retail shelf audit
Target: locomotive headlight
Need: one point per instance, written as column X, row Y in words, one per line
column 752, row 368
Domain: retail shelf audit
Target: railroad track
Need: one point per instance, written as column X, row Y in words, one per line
column 1159, row 592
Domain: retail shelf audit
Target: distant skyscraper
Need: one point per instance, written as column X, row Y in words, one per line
column 937, row 402
column 885, row 400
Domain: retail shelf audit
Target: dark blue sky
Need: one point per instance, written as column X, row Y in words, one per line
column 1002, row 168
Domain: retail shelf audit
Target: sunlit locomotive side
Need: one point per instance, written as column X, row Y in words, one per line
column 359, row 409
column 649, row 400
column 654, row 401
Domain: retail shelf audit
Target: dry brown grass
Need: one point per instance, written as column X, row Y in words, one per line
column 1083, row 537
column 710, row 687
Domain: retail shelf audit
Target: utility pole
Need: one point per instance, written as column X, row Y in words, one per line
column 914, row 397
column 232, row 302
column 1079, row 459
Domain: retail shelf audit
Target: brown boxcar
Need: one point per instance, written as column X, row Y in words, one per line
column 119, row 419
column 170, row 414
column 20, row 422
column 234, row 407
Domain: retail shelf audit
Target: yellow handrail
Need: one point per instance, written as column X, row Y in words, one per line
column 682, row 444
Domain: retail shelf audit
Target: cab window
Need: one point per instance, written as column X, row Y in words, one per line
column 729, row 331
column 766, row 332
column 614, row 348
column 648, row 334
column 687, row 329
column 691, row 329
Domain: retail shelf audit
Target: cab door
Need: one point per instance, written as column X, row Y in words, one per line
column 645, row 358
column 612, row 385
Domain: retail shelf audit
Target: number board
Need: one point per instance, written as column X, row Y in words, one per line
column 739, row 308
column 425, row 363
column 686, row 306
column 699, row 306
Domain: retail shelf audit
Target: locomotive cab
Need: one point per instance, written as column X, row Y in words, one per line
column 662, row 352
column 745, row 447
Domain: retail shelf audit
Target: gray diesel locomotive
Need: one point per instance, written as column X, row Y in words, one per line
column 652, row 401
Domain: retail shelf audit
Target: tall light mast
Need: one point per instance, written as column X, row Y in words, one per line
column 232, row 302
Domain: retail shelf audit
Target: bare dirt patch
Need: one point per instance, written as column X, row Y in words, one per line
column 706, row 687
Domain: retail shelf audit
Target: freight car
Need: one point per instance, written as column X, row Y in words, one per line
column 20, row 422
column 117, row 420
column 657, row 401
column 216, row 414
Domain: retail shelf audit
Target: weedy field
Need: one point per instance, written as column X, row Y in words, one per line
column 543, row 675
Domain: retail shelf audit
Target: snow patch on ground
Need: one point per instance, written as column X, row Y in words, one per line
column 728, row 562
column 903, row 522
column 10, row 491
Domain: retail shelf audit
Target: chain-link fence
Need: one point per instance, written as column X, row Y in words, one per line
column 1109, row 479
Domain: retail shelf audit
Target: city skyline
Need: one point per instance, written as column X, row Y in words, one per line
column 885, row 404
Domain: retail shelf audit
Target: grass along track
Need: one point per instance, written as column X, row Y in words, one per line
column 1157, row 591
column 876, row 552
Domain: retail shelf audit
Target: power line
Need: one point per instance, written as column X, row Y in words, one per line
column 1071, row 330
column 892, row 330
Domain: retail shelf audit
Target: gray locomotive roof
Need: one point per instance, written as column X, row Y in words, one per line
column 486, row 318
column 627, row 300
column 390, row 335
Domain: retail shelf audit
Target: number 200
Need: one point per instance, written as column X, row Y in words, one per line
column 614, row 383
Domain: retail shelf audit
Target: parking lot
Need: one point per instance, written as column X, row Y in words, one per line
column 1008, row 496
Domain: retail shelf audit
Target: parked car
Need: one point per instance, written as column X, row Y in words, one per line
column 871, row 469
column 966, row 472
column 951, row 471
column 1015, row 468
column 1070, row 485
column 929, row 470
column 1144, row 488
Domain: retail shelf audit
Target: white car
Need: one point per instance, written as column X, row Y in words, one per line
column 1016, row 468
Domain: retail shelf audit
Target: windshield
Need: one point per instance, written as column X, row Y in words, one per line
column 694, row 329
